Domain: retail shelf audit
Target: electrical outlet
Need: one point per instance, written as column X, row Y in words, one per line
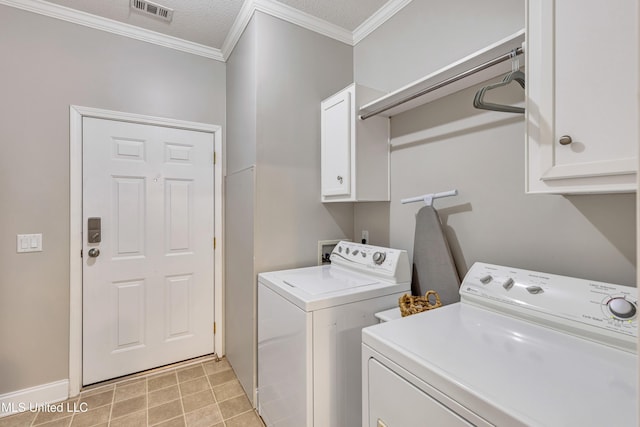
column 365, row 236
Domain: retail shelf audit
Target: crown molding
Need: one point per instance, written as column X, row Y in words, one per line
column 234, row 34
column 109, row 25
column 284, row 12
column 271, row 7
column 303, row 19
column 381, row 16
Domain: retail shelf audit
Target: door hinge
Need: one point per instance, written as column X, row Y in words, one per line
column 214, row 328
column 80, row 253
column 214, row 158
column 214, row 243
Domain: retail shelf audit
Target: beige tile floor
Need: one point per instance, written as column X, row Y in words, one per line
column 201, row 393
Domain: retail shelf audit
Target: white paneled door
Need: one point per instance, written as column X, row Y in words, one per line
column 147, row 247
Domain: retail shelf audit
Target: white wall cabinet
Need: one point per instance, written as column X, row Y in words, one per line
column 354, row 153
column 582, row 96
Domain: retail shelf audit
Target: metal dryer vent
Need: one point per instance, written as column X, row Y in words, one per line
column 154, row 9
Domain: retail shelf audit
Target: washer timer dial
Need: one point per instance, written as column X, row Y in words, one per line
column 379, row 257
column 621, row 308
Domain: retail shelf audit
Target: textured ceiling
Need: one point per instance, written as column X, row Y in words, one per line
column 202, row 21
column 208, row 21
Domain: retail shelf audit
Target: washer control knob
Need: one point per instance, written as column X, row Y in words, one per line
column 621, row 308
column 535, row 289
column 486, row 279
column 379, row 257
column 355, row 252
column 508, row 284
column 340, row 249
column 347, row 251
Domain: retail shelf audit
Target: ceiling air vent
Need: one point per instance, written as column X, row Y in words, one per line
column 154, row 9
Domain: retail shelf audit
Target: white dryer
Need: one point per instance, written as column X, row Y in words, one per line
column 309, row 333
column 522, row 348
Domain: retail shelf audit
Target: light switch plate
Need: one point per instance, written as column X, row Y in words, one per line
column 29, row 243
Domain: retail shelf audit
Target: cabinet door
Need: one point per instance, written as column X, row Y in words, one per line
column 336, row 143
column 582, row 84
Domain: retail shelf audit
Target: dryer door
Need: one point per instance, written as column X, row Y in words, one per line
column 394, row 402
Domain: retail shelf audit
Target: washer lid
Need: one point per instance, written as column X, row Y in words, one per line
column 315, row 288
column 324, row 280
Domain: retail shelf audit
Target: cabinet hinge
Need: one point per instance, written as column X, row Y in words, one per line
column 214, row 328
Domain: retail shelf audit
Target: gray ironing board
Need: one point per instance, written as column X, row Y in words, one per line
column 433, row 265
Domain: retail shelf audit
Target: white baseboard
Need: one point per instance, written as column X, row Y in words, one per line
column 29, row 399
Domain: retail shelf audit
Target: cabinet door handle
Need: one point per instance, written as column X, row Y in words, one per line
column 565, row 140
column 339, row 178
column 381, row 423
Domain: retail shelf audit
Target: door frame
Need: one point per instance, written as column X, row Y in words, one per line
column 76, row 114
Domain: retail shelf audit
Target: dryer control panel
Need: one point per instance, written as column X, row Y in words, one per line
column 599, row 311
column 389, row 264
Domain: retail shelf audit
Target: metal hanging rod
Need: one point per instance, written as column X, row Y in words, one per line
column 505, row 57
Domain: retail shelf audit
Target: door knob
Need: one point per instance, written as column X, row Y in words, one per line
column 94, row 252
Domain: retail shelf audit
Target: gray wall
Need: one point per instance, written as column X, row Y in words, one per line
column 239, row 295
column 449, row 144
column 297, row 69
column 428, row 34
column 47, row 65
column 292, row 70
column 241, row 102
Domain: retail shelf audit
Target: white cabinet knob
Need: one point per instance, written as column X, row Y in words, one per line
column 565, row 140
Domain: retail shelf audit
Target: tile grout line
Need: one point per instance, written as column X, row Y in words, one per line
column 113, row 402
column 33, row 421
column 184, row 415
column 146, row 387
column 215, row 399
column 177, row 385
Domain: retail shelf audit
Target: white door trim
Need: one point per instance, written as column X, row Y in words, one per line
column 76, row 113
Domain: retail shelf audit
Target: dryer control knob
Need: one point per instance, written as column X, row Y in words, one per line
column 379, row 257
column 486, row 279
column 621, row 308
column 508, row 284
column 534, row 289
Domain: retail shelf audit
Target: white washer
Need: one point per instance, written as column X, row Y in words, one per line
column 522, row 348
column 309, row 329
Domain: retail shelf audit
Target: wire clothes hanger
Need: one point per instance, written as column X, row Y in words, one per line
column 515, row 75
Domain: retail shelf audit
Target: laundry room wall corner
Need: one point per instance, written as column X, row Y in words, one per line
column 278, row 75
